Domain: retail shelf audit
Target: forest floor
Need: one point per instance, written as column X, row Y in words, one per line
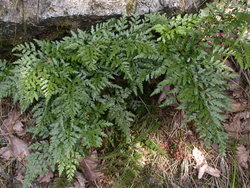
column 162, row 152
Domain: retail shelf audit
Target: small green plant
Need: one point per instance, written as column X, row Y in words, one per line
column 126, row 162
column 84, row 83
column 5, row 69
column 196, row 66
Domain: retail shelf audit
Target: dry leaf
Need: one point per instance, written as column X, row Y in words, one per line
column 234, row 128
column 46, row 178
column 20, row 170
column 79, row 183
column 238, row 106
column 212, row 171
column 19, row 177
column 198, row 156
column 237, row 94
column 18, row 128
column 202, row 165
column 9, row 122
column 163, row 95
column 12, row 125
column 184, row 169
column 239, row 125
column 175, row 185
column 245, row 139
column 89, row 165
column 6, row 153
column 81, row 180
column 75, row 185
column 243, row 155
column 17, row 148
column 245, row 126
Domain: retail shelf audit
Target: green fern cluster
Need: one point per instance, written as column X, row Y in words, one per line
column 196, row 68
column 72, row 87
column 78, row 86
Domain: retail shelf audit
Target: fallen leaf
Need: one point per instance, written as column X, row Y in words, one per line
column 81, row 180
column 245, row 139
column 202, row 165
column 18, row 128
column 238, row 106
column 163, row 95
column 6, row 153
column 89, row 165
column 212, row 171
column 239, row 125
column 175, row 185
column 237, row 94
column 198, row 156
column 20, row 170
column 184, row 169
column 16, row 148
column 46, row 178
column 13, row 125
column 243, row 155
column 10, row 121
column 234, row 128
column 245, row 126
column 19, row 177
column 75, row 185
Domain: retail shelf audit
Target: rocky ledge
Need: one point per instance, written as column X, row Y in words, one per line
column 23, row 20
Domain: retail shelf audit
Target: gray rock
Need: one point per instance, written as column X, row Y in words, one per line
column 23, row 20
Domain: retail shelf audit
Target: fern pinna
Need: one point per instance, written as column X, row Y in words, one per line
column 78, row 86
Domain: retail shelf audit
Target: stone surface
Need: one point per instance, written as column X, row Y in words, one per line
column 23, row 20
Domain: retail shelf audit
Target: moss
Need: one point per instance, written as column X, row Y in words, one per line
column 130, row 6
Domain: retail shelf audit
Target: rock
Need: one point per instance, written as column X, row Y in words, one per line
column 23, row 20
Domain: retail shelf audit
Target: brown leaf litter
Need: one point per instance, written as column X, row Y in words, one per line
column 13, row 124
column 45, row 178
column 239, row 125
column 202, row 165
column 243, row 156
column 79, row 182
column 238, row 106
column 90, row 166
column 16, row 148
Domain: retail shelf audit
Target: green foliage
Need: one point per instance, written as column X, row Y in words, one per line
column 231, row 23
column 195, row 67
column 72, row 87
column 126, row 162
column 6, row 79
column 84, row 83
column 4, row 69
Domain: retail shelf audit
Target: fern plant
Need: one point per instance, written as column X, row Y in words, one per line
column 84, row 83
column 72, row 89
column 195, row 67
